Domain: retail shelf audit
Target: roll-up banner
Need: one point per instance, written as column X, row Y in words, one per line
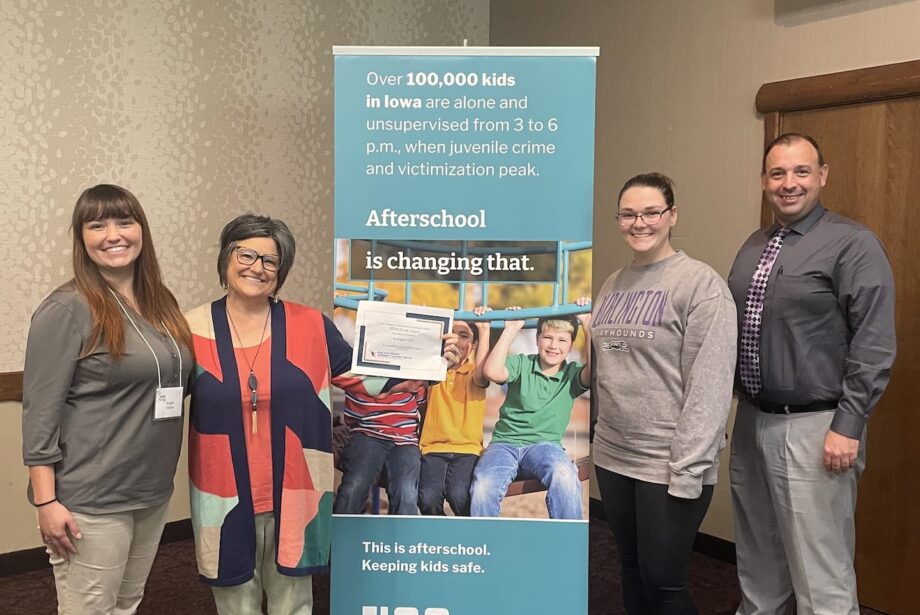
column 464, row 180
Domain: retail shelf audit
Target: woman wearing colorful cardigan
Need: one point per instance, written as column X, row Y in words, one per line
column 260, row 438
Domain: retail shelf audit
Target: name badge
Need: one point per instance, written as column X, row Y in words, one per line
column 169, row 403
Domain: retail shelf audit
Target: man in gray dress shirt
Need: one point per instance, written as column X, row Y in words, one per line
column 815, row 299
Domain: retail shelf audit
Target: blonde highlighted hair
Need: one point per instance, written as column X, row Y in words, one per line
column 569, row 324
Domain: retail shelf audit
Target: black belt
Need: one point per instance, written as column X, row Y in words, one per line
column 771, row 408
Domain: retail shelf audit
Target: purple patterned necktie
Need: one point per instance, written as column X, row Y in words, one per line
column 753, row 307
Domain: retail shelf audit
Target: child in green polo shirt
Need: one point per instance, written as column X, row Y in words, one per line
column 527, row 438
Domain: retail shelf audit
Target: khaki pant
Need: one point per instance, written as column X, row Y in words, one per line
column 795, row 532
column 107, row 574
column 286, row 595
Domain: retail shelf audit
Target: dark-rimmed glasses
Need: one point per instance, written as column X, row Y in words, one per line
column 247, row 256
column 628, row 218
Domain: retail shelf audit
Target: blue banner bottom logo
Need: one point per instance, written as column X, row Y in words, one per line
column 402, row 610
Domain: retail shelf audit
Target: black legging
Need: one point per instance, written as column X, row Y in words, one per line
column 654, row 532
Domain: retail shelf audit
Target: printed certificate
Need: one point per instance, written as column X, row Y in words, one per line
column 400, row 341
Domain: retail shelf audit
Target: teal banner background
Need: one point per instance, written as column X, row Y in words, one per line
column 559, row 93
column 534, row 567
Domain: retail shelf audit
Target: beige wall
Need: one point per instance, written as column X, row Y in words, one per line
column 676, row 88
column 208, row 111
column 204, row 110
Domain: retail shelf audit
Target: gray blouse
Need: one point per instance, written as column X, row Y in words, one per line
column 92, row 417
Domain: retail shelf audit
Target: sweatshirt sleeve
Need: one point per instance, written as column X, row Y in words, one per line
column 708, row 368
column 52, row 350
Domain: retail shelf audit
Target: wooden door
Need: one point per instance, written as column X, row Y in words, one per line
column 873, row 153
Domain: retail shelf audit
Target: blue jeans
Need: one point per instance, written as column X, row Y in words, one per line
column 546, row 461
column 363, row 458
column 446, row 475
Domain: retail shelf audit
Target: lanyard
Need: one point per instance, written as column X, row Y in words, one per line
column 155, row 360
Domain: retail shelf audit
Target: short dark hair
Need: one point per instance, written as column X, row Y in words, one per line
column 251, row 225
column 558, row 321
column 473, row 330
column 659, row 181
column 788, row 138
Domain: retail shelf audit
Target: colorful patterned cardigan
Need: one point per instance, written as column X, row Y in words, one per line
column 307, row 354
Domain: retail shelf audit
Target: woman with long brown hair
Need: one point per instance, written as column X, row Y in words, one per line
column 107, row 359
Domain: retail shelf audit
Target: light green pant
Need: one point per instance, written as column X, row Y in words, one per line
column 286, row 595
column 107, row 574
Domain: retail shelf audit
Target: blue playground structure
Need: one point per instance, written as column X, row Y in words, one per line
column 348, row 295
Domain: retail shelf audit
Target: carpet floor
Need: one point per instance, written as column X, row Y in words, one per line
column 174, row 589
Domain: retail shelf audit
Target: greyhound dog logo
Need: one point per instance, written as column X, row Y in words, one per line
column 617, row 345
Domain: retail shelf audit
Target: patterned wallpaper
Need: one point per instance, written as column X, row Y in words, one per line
column 203, row 108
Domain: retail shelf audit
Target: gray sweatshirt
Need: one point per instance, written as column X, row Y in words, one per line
column 664, row 338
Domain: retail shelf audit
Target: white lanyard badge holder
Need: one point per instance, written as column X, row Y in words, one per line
column 169, row 399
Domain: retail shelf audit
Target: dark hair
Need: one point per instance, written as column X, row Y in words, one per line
column 660, row 182
column 157, row 305
column 556, row 320
column 473, row 330
column 789, row 138
column 251, row 225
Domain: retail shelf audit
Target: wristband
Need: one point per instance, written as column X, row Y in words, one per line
column 51, row 501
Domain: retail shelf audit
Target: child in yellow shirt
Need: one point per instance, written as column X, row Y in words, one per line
column 451, row 439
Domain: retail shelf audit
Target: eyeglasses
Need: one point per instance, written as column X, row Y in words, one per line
column 628, row 218
column 245, row 256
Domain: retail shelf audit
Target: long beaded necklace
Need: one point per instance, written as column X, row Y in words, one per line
column 252, row 381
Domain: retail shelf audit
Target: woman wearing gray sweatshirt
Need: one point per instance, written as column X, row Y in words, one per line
column 664, row 337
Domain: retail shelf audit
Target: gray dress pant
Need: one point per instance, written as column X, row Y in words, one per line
column 794, row 521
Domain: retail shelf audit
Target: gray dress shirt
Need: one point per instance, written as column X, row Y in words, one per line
column 92, row 417
column 828, row 317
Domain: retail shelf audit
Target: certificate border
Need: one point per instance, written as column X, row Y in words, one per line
column 360, row 362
